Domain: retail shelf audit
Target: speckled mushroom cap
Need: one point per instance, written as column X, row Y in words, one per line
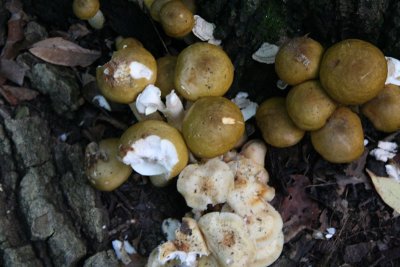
column 128, row 72
column 298, row 60
column 341, row 140
column 202, row 70
column 353, row 71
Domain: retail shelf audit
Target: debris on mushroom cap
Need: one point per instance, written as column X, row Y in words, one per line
column 227, row 238
column 247, row 107
column 187, row 246
column 204, row 30
column 393, row 75
column 205, row 184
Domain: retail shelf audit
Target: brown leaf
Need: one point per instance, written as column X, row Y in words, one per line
column 12, row 71
column 297, row 209
column 62, row 52
column 14, row 95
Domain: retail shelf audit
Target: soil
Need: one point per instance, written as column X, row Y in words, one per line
column 51, row 216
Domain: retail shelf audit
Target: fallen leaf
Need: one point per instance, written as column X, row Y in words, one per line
column 12, row 71
column 298, row 210
column 14, row 95
column 388, row 189
column 62, row 52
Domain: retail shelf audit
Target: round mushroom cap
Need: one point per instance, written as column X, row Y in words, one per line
column 156, row 8
column 166, row 74
column 276, row 126
column 104, row 171
column 203, row 69
column 298, row 60
column 309, row 106
column 128, row 72
column 353, row 71
column 341, row 140
column 165, row 135
column 212, row 126
column 384, row 110
column 85, row 9
column 128, row 42
column 176, row 19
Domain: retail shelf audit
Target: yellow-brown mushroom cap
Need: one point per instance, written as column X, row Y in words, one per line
column 166, row 74
column 341, row 140
column 176, row 19
column 203, row 69
column 384, row 110
column 353, row 71
column 298, row 60
column 212, row 126
column 85, row 9
column 128, row 72
column 276, row 126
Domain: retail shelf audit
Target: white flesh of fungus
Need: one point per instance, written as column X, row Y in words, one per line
column 247, row 107
column 204, row 30
column 149, row 101
column 266, row 53
column 168, row 227
column 393, row 76
column 138, row 70
column 97, row 21
column 385, row 151
column 152, row 156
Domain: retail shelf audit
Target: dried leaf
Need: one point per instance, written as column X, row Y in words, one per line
column 12, row 71
column 388, row 189
column 62, row 52
column 15, row 29
column 14, row 95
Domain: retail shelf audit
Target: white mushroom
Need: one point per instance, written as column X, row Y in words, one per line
column 255, row 150
column 205, row 184
column 228, row 239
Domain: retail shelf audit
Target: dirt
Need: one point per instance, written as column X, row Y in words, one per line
column 51, row 216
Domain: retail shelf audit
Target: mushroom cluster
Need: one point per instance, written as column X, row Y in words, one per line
column 326, row 88
column 242, row 229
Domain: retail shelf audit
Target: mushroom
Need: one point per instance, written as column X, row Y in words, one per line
column 212, row 126
column 187, row 246
column 384, row 110
column 353, row 71
column 208, row 261
column 166, row 74
column 154, row 148
column 155, row 8
column 89, row 10
column 256, row 151
column 176, row 19
column 298, row 60
column 127, row 73
column 129, row 42
column 104, row 171
column 205, row 184
column 227, row 238
column 309, row 106
column 276, row 126
column 202, row 70
column 341, row 140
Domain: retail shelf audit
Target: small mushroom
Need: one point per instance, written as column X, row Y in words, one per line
column 129, row 42
column 176, row 19
column 212, row 126
column 89, row 10
column 104, row 171
column 353, row 71
column 384, row 110
column 298, row 60
column 341, row 140
column 166, row 74
column 309, row 106
column 128, row 72
column 276, row 126
column 205, row 184
column 202, row 70
column 228, row 239
column 154, row 148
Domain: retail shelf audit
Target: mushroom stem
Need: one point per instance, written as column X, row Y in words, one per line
column 142, row 117
column 174, row 111
column 97, row 22
column 255, row 150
